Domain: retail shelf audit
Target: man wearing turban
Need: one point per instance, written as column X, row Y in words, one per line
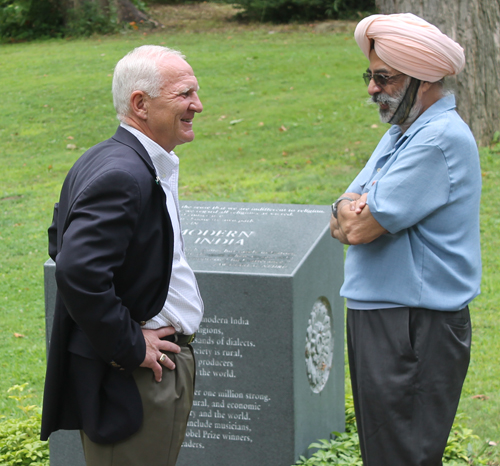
column 411, row 218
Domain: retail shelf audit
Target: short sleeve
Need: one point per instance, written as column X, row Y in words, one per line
column 416, row 185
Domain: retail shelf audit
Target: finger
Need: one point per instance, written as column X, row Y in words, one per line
column 166, row 361
column 332, row 226
column 360, row 206
column 157, row 371
column 169, row 346
column 165, row 331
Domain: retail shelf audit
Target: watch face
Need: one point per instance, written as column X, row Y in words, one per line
column 334, row 208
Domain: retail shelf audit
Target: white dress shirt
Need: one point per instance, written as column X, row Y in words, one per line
column 183, row 308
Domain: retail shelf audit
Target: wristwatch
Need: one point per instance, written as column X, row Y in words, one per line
column 337, row 202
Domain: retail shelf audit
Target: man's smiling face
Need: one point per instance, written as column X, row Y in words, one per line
column 170, row 116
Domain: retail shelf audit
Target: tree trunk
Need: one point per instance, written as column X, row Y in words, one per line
column 475, row 25
column 126, row 11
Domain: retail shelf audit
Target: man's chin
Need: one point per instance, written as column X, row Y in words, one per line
column 385, row 116
column 187, row 137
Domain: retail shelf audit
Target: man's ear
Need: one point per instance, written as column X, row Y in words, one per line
column 425, row 86
column 139, row 104
column 429, row 93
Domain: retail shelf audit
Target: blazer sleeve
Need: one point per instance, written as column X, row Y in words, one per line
column 53, row 233
column 97, row 232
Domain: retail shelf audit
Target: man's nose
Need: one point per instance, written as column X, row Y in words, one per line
column 373, row 87
column 196, row 104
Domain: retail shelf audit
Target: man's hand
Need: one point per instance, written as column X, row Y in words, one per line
column 336, row 229
column 355, row 223
column 359, row 204
column 154, row 347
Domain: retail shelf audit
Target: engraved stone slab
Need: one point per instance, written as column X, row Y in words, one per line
column 270, row 350
column 65, row 445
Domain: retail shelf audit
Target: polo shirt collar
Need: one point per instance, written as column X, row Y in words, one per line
column 444, row 104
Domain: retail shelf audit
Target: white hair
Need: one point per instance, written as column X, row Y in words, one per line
column 138, row 71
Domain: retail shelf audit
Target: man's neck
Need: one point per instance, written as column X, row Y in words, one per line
column 136, row 124
column 429, row 94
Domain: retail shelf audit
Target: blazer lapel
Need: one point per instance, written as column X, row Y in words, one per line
column 126, row 137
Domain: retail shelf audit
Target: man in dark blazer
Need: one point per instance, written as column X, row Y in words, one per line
column 120, row 365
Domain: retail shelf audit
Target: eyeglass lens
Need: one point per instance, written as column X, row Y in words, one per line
column 380, row 79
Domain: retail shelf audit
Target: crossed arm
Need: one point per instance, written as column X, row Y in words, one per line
column 355, row 223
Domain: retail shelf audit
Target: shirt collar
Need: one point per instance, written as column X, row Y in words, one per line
column 442, row 105
column 165, row 163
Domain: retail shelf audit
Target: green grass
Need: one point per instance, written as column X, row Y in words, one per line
column 284, row 121
column 484, row 371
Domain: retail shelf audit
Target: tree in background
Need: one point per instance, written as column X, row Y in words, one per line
column 30, row 19
column 475, row 25
column 118, row 11
column 285, row 11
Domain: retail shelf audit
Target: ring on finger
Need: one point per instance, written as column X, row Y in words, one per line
column 163, row 357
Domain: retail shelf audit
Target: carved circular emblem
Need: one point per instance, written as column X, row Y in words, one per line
column 319, row 345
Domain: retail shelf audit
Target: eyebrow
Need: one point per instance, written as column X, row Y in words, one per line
column 188, row 88
column 378, row 71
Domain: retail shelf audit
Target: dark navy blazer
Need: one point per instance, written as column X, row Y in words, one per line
column 112, row 242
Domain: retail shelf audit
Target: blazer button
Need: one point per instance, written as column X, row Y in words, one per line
column 142, row 323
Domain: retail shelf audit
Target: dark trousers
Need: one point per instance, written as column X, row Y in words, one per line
column 407, row 369
column 166, row 407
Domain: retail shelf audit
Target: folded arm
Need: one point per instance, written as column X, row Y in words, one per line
column 355, row 223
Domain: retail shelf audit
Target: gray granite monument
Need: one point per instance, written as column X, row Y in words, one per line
column 270, row 350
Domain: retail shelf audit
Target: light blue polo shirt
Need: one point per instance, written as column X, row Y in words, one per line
column 423, row 187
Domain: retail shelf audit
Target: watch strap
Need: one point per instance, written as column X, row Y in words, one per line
column 337, row 202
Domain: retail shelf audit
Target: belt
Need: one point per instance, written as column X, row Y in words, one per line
column 180, row 339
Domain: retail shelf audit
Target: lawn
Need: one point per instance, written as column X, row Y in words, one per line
column 285, row 120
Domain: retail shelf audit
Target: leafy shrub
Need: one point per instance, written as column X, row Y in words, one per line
column 20, row 443
column 29, row 19
column 284, row 11
column 343, row 449
column 90, row 18
column 32, row 19
column 495, row 142
column 173, row 2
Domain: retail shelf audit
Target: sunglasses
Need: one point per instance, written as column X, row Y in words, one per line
column 380, row 79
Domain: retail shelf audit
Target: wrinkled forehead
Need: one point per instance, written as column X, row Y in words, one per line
column 177, row 71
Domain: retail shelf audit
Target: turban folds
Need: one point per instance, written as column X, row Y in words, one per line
column 411, row 45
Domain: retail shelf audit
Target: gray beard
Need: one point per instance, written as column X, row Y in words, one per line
column 393, row 103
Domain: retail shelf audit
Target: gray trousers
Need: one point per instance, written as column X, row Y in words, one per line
column 407, row 369
column 166, row 408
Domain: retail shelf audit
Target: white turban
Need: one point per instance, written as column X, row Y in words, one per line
column 411, row 45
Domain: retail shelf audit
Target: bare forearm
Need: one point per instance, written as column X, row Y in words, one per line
column 336, row 229
column 355, row 223
column 360, row 228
